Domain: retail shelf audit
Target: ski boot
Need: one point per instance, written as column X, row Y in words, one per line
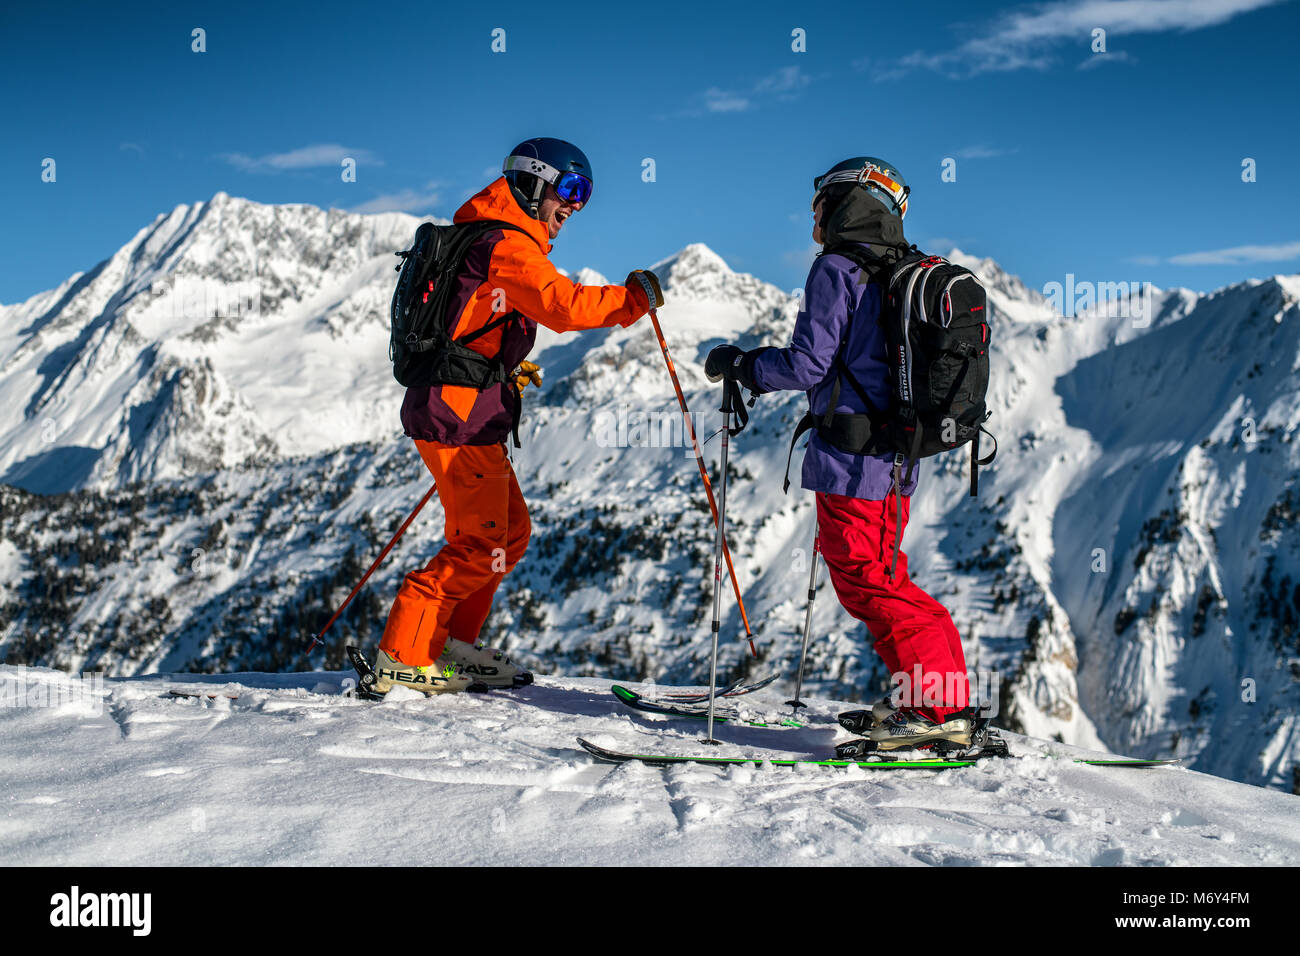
column 443, row 677
column 906, row 729
column 485, row 664
column 861, row 721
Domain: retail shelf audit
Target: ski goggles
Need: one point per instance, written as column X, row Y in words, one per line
column 872, row 178
column 569, row 186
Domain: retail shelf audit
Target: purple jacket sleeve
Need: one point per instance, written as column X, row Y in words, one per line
column 818, row 331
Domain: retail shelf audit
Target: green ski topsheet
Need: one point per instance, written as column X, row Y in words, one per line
column 925, row 763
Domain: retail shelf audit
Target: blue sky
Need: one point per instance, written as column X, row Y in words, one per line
column 1116, row 166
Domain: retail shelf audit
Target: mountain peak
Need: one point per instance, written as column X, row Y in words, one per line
column 995, row 277
column 694, row 259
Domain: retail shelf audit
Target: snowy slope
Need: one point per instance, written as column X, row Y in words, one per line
column 291, row 772
column 228, row 479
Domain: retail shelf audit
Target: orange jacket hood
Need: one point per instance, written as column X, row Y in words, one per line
column 496, row 201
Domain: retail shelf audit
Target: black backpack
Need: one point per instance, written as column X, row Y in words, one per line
column 421, row 348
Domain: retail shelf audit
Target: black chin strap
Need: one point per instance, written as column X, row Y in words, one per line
column 539, row 187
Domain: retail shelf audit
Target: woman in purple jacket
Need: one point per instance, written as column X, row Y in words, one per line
column 837, row 355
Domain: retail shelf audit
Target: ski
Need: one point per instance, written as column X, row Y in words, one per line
column 984, row 738
column 669, row 760
column 736, row 689
column 930, row 763
column 693, row 711
column 985, row 742
column 1124, row 761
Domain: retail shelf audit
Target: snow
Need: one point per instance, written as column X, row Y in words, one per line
column 291, row 771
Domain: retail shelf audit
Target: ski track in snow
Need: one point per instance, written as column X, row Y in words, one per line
column 291, row 772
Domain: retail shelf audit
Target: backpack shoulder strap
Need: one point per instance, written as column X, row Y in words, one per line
column 469, row 234
column 873, row 265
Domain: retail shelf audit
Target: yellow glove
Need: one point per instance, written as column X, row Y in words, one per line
column 527, row 372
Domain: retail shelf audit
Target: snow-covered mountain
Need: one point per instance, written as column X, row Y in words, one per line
column 202, row 444
column 224, row 333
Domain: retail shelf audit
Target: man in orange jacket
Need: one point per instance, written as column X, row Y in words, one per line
column 431, row 640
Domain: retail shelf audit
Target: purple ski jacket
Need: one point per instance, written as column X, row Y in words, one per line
column 840, row 318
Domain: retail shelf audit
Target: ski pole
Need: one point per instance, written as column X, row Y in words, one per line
column 728, row 389
column 807, row 622
column 382, row 554
column 704, row 474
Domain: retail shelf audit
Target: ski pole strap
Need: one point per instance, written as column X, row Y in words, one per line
column 976, row 462
column 807, row 423
column 732, row 402
column 897, row 484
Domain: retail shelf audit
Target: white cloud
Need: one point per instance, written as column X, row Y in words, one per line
column 785, row 80
column 784, row 84
column 308, row 157
column 983, row 152
column 1100, row 59
column 723, row 101
column 1024, row 38
column 406, row 200
column 133, row 148
column 1278, row 252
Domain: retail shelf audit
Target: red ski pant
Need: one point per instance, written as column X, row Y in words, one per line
column 913, row 632
column 487, row 531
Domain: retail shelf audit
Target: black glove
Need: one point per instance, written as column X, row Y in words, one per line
column 722, row 362
column 727, row 361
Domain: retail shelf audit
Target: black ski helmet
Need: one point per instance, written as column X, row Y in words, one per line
column 535, row 162
column 881, row 179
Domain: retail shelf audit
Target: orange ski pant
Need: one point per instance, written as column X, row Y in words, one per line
column 487, row 531
column 913, row 633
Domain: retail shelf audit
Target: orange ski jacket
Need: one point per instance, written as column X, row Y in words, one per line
column 507, row 271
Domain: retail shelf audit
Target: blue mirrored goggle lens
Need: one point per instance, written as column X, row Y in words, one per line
column 573, row 188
